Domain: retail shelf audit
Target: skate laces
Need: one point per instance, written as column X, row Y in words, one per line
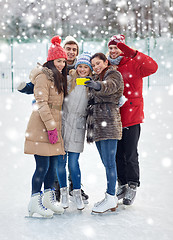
column 130, row 193
column 52, row 197
column 120, row 189
column 40, row 204
column 78, row 199
column 64, row 198
column 100, row 202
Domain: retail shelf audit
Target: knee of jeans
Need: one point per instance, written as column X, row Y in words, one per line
column 110, row 165
column 73, row 166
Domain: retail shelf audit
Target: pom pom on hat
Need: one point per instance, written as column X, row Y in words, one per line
column 56, row 51
column 84, row 58
column 55, row 40
column 116, row 39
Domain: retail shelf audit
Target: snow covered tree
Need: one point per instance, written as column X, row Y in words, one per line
column 38, row 19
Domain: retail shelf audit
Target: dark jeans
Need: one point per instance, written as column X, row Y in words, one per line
column 44, row 173
column 74, row 169
column 107, row 150
column 127, row 156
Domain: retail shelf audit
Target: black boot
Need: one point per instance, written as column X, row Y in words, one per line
column 57, row 190
column 121, row 190
column 130, row 194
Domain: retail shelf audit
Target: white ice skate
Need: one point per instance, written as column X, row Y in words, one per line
column 109, row 203
column 49, row 201
column 64, row 198
column 36, row 207
column 77, row 199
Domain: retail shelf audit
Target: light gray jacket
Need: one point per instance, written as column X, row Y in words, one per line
column 74, row 119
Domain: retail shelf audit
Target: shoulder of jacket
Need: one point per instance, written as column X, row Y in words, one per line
column 41, row 72
column 112, row 71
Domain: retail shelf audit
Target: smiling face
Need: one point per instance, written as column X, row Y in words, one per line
column 98, row 65
column 83, row 70
column 72, row 52
column 114, row 51
column 59, row 64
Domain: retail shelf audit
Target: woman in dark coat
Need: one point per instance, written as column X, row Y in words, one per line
column 104, row 122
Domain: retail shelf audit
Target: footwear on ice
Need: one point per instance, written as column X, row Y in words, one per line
column 64, row 198
column 130, row 194
column 36, row 206
column 85, row 197
column 77, row 199
column 121, row 190
column 108, row 203
column 49, row 201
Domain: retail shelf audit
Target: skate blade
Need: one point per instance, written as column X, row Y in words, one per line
column 39, row 217
column 80, row 209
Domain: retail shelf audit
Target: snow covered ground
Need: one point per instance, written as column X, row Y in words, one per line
column 149, row 218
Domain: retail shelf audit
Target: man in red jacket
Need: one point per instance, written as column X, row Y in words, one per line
column 134, row 66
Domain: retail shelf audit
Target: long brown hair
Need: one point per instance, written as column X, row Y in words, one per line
column 60, row 79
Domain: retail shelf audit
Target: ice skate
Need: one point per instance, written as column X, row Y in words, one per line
column 85, row 197
column 36, row 207
column 109, row 203
column 77, row 199
column 121, row 190
column 49, row 201
column 64, row 199
column 130, row 194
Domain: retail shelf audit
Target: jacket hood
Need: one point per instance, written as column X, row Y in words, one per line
column 41, row 70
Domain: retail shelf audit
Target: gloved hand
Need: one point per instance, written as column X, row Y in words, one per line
column 53, row 136
column 92, row 84
column 128, row 52
column 122, row 100
column 21, row 86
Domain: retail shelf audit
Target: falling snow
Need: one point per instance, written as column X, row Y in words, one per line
column 149, row 218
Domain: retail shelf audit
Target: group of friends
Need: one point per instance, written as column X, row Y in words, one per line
column 108, row 109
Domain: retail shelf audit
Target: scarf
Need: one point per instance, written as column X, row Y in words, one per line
column 115, row 61
column 69, row 67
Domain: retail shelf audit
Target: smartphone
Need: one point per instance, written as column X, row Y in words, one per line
column 80, row 81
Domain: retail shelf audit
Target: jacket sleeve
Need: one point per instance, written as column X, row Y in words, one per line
column 145, row 65
column 41, row 93
column 111, row 83
column 28, row 89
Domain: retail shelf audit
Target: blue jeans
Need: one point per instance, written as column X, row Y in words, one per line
column 44, row 173
column 107, row 150
column 73, row 166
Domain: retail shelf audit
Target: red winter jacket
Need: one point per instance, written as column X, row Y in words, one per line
column 133, row 70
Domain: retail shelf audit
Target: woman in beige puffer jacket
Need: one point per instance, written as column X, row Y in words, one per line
column 43, row 134
column 46, row 115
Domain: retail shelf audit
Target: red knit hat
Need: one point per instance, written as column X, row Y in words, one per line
column 116, row 39
column 56, row 51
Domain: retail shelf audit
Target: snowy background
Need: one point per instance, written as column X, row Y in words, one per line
column 151, row 215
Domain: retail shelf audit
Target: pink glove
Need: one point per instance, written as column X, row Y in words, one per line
column 128, row 52
column 53, row 136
